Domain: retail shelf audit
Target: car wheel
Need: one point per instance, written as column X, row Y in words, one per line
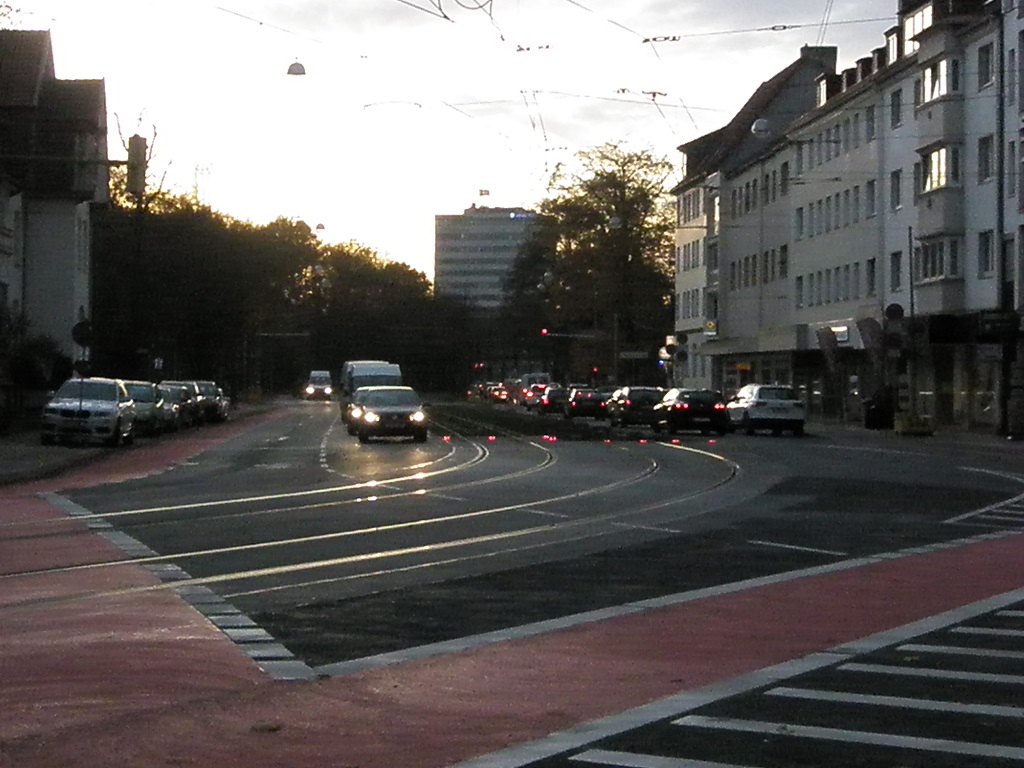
column 363, row 437
column 420, row 437
column 798, row 431
column 129, row 438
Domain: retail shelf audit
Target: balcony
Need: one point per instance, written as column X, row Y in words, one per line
column 939, row 296
column 940, row 211
column 941, row 121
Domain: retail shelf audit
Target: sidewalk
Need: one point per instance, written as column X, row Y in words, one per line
column 111, row 667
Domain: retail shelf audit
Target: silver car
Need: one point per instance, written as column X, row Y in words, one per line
column 149, row 407
column 90, row 410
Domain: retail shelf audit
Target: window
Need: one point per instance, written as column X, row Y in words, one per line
column 856, row 204
column 828, row 286
column 941, row 168
column 810, row 290
column 783, row 262
column 986, row 254
column 799, row 159
column 810, row 220
column 784, row 179
column 913, row 26
column 896, row 190
column 798, row 291
column 941, row 78
column 798, row 224
column 918, row 92
column 846, row 208
column 846, row 282
column 1011, row 76
column 856, row 129
column 820, row 227
column 818, row 284
column 896, row 271
column 856, row 280
column 1011, row 168
column 847, row 131
column 732, row 275
column 828, row 214
column 986, row 68
column 869, row 124
column 870, row 278
column 870, row 199
column 986, row 158
column 931, row 259
column 896, row 108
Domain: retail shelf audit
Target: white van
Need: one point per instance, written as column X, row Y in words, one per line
column 367, row 373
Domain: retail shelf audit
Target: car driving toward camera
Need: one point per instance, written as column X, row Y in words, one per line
column 391, row 411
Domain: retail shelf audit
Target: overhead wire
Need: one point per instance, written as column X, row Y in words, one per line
column 824, row 21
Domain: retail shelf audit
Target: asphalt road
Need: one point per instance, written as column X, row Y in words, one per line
column 342, row 551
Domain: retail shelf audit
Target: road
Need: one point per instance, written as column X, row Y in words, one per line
column 353, row 556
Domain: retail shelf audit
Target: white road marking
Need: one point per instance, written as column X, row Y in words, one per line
column 899, row 702
column 799, row 549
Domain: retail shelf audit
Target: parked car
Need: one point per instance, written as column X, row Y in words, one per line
column 194, row 406
column 702, row 410
column 585, row 402
column 633, row 405
column 767, row 406
column 90, row 409
column 391, row 411
column 215, row 405
column 149, row 407
column 184, row 408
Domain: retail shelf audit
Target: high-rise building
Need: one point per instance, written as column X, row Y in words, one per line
column 475, row 251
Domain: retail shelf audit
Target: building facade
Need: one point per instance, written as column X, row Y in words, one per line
column 53, row 157
column 886, row 266
column 474, row 252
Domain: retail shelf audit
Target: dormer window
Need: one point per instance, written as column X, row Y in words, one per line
column 822, row 91
column 914, row 25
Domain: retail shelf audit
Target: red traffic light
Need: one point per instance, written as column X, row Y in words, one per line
column 543, row 331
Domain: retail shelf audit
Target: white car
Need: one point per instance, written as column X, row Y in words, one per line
column 93, row 410
column 767, row 406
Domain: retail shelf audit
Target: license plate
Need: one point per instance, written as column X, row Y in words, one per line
column 701, row 420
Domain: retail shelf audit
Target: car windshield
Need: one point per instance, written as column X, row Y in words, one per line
column 776, row 393
column 392, row 397
column 83, row 389
column 172, row 393
column 208, row 388
column 141, row 393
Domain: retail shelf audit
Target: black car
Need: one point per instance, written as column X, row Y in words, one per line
column 633, row 405
column 701, row 410
column 215, row 406
column 194, row 405
column 391, row 412
column 553, row 399
column 585, row 402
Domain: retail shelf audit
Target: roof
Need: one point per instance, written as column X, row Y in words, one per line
column 26, row 64
column 721, row 149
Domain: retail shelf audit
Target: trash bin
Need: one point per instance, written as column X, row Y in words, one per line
column 879, row 410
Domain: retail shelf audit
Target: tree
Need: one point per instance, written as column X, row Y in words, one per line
column 599, row 264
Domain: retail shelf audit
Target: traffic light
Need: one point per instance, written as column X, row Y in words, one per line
column 137, row 166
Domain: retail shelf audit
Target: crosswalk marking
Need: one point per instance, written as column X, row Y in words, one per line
column 902, row 702
column 942, row 674
column 630, row 760
column 853, row 737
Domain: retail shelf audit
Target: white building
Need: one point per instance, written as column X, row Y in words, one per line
column 898, row 227
column 475, row 251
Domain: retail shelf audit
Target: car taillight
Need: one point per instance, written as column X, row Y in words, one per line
column 719, row 406
column 682, row 406
column 628, row 403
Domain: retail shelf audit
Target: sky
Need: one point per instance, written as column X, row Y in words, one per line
column 414, row 108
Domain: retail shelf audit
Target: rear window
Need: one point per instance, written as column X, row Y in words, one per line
column 776, row 393
column 702, row 397
column 645, row 396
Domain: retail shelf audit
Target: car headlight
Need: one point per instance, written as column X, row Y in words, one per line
column 327, row 390
column 310, row 390
column 418, row 417
column 370, row 417
column 357, row 413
